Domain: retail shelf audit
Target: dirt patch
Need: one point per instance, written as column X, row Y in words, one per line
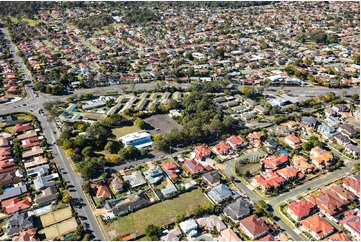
column 162, row 122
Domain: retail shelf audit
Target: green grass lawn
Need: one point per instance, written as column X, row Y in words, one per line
column 159, row 214
column 14, row 20
column 118, row 132
column 161, row 185
column 25, row 117
column 283, row 216
column 32, row 22
column 10, row 129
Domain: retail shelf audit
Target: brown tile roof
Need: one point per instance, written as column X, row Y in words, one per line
column 318, row 225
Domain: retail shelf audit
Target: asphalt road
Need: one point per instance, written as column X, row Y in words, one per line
column 292, row 194
column 33, row 105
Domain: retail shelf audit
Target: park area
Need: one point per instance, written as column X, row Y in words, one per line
column 159, row 214
column 59, row 229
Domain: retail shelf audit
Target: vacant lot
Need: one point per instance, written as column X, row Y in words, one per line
column 162, row 122
column 252, row 167
column 118, row 132
column 159, row 214
column 57, row 230
column 55, row 217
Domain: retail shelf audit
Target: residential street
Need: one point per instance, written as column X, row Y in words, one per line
column 36, row 103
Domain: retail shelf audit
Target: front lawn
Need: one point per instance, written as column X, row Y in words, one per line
column 159, row 214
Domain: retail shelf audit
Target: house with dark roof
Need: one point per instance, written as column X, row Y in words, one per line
column 154, row 174
column 211, row 178
column 300, row 209
column 348, row 130
column 273, row 145
column 352, row 149
column 220, row 193
column 128, row 205
column 309, row 121
column 19, row 222
column 48, row 195
column 238, row 209
column 254, row 227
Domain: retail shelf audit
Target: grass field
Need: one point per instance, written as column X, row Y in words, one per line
column 14, row 20
column 159, row 214
column 32, row 22
column 118, row 132
column 58, row 230
column 10, row 129
column 25, row 117
column 55, row 217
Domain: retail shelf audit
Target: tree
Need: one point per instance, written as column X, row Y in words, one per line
column 87, row 151
column 157, row 137
column 90, row 169
column 114, row 159
column 355, row 97
column 111, row 147
column 66, row 197
column 140, row 123
column 129, row 152
column 153, row 232
column 86, row 186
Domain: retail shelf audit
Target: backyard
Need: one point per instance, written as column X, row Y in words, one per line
column 57, row 230
column 159, row 214
column 55, row 217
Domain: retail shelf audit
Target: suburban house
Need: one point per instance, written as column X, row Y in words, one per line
column 348, row 130
column 300, row 209
column 211, row 222
column 317, row 227
column 351, row 222
column 352, row 149
column 352, row 184
column 15, row 204
column 102, row 191
column 220, row 193
column 127, row 205
column 269, row 181
column 211, row 178
column 293, row 141
column 169, row 191
column 338, row 237
column 255, row 138
column 194, row 167
column 320, row 157
column 171, row 169
column 135, row 179
column 154, row 174
column 273, row 145
column 200, row 153
column 27, row 235
column 19, row 222
column 327, row 203
column 341, row 139
column 326, row 131
column 254, row 227
column 23, row 127
column 228, row 235
column 171, row 235
column 236, row 142
column 117, row 185
column 223, row 148
column 238, row 209
column 189, row 227
column 275, row 162
column 302, row 164
column 290, row 173
column 309, row 121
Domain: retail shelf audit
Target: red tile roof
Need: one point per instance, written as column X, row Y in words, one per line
column 192, row 166
column 275, row 162
column 7, row 166
column 254, row 225
column 27, row 235
column 301, row 208
column 338, row 237
column 15, row 204
column 290, row 172
column 5, row 153
column 352, row 184
column 223, row 148
column 23, row 127
column 171, row 169
column 236, row 141
column 353, row 221
column 318, row 225
column 272, row 180
column 201, row 152
column 102, row 191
